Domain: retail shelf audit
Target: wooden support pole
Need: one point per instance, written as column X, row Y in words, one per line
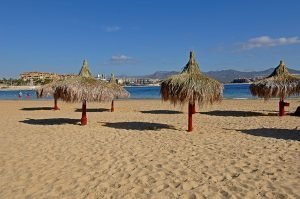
column 190, row 118
column 282, row 104
column 83, row 117
column 112, row 109
column 55, row 104
column 281, row 108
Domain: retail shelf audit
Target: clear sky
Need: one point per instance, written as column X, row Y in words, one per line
column 141, row 37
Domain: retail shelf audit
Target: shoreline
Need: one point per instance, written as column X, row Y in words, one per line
column 236, row 83
column 15, row 88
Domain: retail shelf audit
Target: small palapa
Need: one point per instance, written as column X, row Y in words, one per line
column 85, row 88
column 191, row 86
column 280, row 84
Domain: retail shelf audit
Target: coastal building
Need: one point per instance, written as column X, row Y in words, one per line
column 40, row 77
column 105, row 77
column 37, row 76
column 242, row 80
column 101, row 77
column 120, row 81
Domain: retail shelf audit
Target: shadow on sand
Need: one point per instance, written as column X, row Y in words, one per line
column 37, row 109
column 237, row 113
column 141, row 126
column 93, row 110
column 162, row 112
column 51, row 121
column 286, row 134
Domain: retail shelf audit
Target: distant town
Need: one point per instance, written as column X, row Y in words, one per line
column 42, row 78
column 224, row 76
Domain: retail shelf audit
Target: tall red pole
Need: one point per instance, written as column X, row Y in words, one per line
column 190, row 116
column 55, row 104
column 281, row 108
column 112, row 109
column 83, row 117
column 282, row 104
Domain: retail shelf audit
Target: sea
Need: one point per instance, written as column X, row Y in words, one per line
column 231, row 91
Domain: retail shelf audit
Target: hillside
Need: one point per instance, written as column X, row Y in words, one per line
column 224, row 76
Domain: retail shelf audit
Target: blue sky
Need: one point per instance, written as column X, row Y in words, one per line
column 141, row 37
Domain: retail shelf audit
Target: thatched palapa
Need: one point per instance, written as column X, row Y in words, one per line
column 119, row 91
column 280, row 84
column 48, row 90
column 84, row 88
column 191, row 86
column 45, row 90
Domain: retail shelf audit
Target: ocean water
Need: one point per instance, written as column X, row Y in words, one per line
column 230, row 91
column 238, row 91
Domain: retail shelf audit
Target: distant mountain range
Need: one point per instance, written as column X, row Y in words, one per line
column 161, row 74
column 224, row 76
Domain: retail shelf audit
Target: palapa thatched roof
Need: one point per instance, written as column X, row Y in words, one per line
column 280, row 84
column 84, row 87
column 191, row 86
column 119, row 91
column 85, row 70
column 47, row 90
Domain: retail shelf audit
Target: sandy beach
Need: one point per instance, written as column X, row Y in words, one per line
column 238, row 149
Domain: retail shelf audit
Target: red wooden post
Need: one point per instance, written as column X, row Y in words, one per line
column 281, row 108
column 282, row 104
column 112, row 109
column 190, row 116
column 83, row 117
column 55, row 104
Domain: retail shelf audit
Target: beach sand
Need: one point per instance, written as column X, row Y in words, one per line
column 238, row 149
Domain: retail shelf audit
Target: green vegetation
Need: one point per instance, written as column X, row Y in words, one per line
column 12, row 82
column 19, row 82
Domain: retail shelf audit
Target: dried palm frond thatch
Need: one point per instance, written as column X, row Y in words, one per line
column 119, row 91
column 85, row 71
column 191, row 86
column 280, row 84
column 48, row 90
column 84, row 88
